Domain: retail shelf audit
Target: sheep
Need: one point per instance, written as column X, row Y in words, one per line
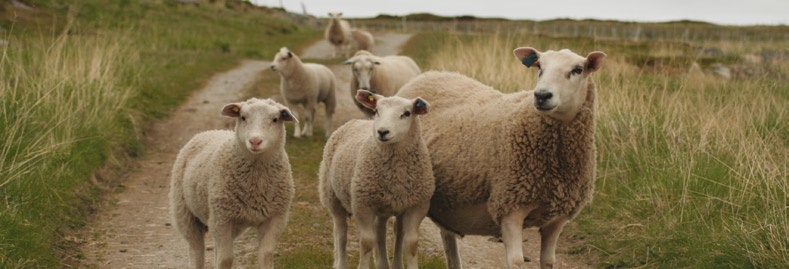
column 228, row 181
column 373, row 177
column 380, row 75
column 338, row 33
column 305, row 84
column 503, row 162
column 364, row 40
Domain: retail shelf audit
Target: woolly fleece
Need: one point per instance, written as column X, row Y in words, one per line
column 489, row 147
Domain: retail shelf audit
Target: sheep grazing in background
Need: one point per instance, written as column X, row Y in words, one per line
column 305, row 84
column 374, row 169
column 364, row 40
column 228, row 181
column 338, row 33
column 504, row 162
column 380, row 75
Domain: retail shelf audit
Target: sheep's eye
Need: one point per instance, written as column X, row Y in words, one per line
column 577, row 71
column 275, row 120
column 406, row 114
column 539, row 74
column 284, row 58
column 243, row 118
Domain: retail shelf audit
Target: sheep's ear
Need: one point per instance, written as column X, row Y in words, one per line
column 594, row 61
column 367, row 99
column 349, row 61
column 421, row 106
column 232, row 110
column 286, row 115
column 290, row 54
column 528, row 56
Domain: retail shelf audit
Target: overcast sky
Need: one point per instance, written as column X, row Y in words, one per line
column 727, row 12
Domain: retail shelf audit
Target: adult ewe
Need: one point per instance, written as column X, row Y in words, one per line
column 380, row 75
column 374, row 169
column 364, row 40
column 305, row 84
column 338, row 33
column 228, row 181
column 504, row 162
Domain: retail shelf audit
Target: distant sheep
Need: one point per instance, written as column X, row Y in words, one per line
column 338, row 33
column 364, row 40
column 374, row 169
column 503, row 162
column 305, row 84
column 227, row 181
column 380, row 75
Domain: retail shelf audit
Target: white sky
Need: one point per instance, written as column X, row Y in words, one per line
column 726, row 12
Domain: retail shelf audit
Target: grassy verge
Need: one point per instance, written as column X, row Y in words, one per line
column 692, row 168
column 80, row 80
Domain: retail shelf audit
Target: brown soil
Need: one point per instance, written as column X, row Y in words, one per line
column 136, row 231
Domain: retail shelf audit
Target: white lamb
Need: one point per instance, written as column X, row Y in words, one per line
column 504, row 162
column 228, row 181
column 374, row 169
column 338, row 33
column 364, row 40
column 380, row 75
column 305, row 84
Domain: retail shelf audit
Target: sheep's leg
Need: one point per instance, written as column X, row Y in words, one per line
column 268, row 233
column 194, row 232
column 366, row 222
column 411, row 220
column 512, row 235
column 330, row 104
column 451, row 249
column 397, row 261
column 549, row 237
column 296, row 128
column 309, row 117
column 223, row 240
column 340, row 217
column 381, row 260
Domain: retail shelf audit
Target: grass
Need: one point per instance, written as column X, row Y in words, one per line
column 80, row 81
column 692, row 168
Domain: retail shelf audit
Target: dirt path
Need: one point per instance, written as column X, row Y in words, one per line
column 136, row 233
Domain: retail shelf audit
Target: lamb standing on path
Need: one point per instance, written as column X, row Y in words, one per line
column 305, row 84
column 503, row 162
column 338, row 33
column 373, row 176
column 380, row 75
column 228, row 181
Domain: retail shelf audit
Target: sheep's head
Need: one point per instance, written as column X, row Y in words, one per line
column 394, row 115
column 363, row 66
column 282, row 59
column 335, row 15
column 260, row 123
column 563, row 76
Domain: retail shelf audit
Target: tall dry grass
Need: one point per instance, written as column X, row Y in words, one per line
column 63, row 111
column 692, row 167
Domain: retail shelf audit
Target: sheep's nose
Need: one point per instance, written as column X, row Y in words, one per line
column 382, row 133
column 273, row 68
column 366, row 88
column 255, row 142
column 542, row 96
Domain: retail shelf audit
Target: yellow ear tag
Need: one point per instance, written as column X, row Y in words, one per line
column 235, row 109
column 371, row 98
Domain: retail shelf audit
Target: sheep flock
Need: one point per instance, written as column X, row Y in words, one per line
column 481, row 162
